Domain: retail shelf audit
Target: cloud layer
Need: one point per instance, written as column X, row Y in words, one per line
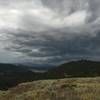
column 44, row 31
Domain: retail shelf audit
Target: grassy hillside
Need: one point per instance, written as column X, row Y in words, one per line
column 61, row 89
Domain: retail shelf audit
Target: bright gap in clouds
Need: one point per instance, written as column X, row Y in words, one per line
column 9, row 18
column 13, row 17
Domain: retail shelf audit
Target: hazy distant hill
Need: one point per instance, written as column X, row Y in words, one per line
column 82, row 68
column 10, row 75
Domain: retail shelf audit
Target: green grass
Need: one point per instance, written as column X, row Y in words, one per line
column 60, row 89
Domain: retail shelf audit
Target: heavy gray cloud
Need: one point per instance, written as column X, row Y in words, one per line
column 44, row 31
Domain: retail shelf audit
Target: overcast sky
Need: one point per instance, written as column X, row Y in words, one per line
column 49, row 31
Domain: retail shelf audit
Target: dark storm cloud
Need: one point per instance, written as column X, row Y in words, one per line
column 57, row 49
column 63, row 5
column 50, row 31
column 94, row 8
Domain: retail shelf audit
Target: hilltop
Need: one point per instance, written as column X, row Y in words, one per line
column 81, row 68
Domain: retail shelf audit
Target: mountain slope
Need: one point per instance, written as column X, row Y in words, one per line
column 82, row 68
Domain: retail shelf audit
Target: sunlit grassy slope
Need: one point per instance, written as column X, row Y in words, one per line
column 60, row 89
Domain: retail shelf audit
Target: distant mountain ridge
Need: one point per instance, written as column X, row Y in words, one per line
column 11, row 75
column 81, row 68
